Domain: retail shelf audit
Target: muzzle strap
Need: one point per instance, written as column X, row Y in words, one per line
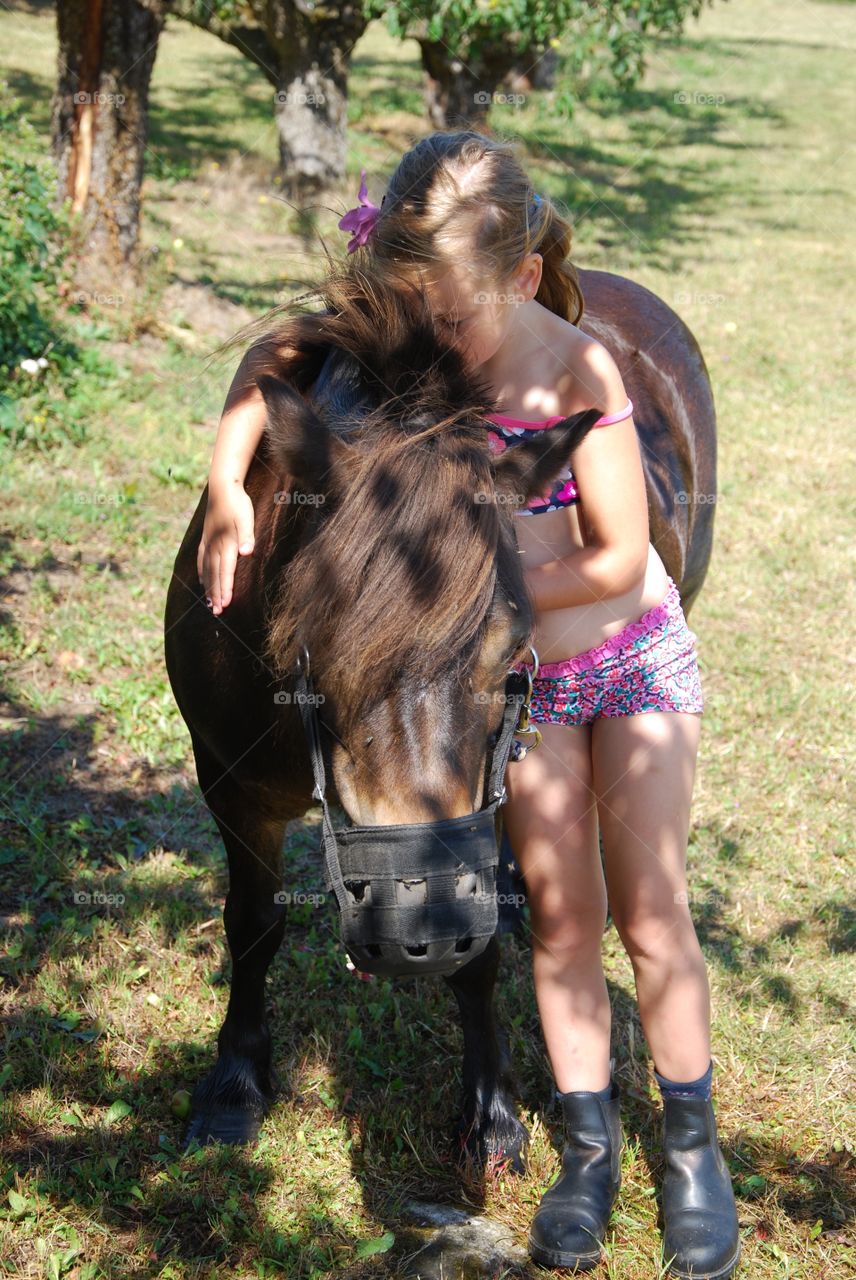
column 516, row 689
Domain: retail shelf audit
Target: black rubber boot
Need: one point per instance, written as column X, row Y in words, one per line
column 701, row 1239
column 570, row 1222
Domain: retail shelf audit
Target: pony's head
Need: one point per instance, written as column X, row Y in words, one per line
column 407, row 587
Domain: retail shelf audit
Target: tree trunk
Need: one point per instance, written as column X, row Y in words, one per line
column 304, row 50
column 311, row 101
column 536, row 70
column 459, row 93
column 107, row 51
column 311, row 111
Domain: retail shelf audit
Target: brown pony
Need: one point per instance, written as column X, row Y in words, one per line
column 385, row 542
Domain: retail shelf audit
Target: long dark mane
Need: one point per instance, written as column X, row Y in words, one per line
column 397, row 578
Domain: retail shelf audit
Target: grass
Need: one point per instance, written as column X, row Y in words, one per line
column 732, row 201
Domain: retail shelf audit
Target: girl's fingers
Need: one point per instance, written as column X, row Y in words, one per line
column 200, row 560
column 212, row 581
column 228, row 559
column 244, row 530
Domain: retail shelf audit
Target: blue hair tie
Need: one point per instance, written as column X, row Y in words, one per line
column 536, row 199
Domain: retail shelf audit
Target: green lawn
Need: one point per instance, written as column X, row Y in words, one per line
column 725, row 183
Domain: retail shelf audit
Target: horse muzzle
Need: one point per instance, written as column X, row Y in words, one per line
column 421, row 897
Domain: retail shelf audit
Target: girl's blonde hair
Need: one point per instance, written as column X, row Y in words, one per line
column 463, row 197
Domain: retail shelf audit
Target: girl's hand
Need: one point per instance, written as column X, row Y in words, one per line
column 226, row 534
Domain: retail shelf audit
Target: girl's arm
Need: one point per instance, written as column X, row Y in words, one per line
column 608, row 469
column 228, row 528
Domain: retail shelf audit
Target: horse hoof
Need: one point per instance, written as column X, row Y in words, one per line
column 225, row 1125
column 489, row 1150
column 514, row 1150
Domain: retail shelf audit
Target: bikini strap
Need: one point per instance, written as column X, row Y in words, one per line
column 608, row 418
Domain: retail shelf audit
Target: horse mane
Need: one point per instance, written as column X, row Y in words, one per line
column 397, row 577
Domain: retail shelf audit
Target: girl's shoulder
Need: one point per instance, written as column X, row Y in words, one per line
column 587, row 372
column 598, row 363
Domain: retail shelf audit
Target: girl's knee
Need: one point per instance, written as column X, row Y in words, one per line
column 656, row 935
column 568, row 929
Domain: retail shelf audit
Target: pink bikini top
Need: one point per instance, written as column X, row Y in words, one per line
column 510, row 431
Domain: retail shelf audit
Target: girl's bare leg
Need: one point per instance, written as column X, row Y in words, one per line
column 552, row 824
column 644, row 769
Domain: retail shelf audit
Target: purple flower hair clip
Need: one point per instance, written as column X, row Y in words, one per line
column 361, row 219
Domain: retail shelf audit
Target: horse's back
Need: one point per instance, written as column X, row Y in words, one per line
column 665, row 375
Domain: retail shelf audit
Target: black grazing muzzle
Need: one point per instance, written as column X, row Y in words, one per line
column 417, row 897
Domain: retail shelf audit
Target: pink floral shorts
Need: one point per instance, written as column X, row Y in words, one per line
column 650, row 665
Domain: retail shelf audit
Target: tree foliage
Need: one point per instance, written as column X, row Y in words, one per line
column 615, row 31
column 33, row 235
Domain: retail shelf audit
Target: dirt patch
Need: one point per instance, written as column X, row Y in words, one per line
column 196, row 316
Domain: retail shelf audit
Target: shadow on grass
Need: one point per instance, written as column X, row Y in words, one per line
column 68, row 833
column 387, row 1057
column 132, row 1179
column 401, row 83
column 70, row 830
column 649, row 193
column 387, row 1053
column 261, row 295
column 193, row 128
column 35, row 91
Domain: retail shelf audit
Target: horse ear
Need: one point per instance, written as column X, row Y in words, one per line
column 299, row 439
column 525, row 470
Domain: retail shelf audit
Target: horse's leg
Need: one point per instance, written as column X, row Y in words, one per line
column 229, row 1103
column 489, row 1126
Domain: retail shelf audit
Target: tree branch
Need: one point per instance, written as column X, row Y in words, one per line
column 250, row 41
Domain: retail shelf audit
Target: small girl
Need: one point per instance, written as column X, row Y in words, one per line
column 617, row 698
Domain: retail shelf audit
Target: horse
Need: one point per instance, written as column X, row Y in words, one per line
column 385, row 542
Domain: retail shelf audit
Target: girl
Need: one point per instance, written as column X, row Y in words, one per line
column 617, row 698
